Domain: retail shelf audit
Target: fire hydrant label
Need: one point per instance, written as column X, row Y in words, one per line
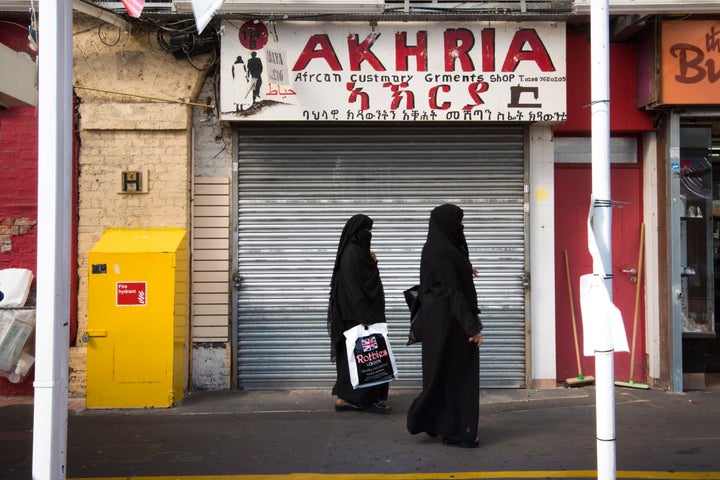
column 131, row 293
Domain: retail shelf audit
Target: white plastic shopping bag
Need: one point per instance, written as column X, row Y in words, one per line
column 370, row 356
column 15, row 287
column 603, row 326
column 601, row 318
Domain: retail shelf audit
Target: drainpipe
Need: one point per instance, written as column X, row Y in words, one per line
column 53, row 250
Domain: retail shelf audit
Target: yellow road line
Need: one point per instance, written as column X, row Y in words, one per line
column 648, row 475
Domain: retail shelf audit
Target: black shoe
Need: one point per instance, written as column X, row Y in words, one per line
column 462, row 443
column 346, row 406
column 378, row 407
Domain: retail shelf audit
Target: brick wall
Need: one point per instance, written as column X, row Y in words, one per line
column 18, row 203
column 18, row 187
column 213, row 141
column 142, row 125
column 18, row 195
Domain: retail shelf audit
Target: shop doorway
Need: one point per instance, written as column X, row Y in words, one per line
column 699, row 226
column 573, row 185
column 297, row 186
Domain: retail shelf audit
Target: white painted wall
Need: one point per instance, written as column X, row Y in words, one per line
column 652, row 284
column 542, row 257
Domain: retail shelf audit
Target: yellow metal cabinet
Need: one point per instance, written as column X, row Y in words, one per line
column 137, row 318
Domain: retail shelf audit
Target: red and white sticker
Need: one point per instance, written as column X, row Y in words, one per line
column 131, row 293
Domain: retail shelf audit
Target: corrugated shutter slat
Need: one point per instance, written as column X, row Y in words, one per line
column 298, row 185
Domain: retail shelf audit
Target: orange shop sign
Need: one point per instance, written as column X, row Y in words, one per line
column 691, row 62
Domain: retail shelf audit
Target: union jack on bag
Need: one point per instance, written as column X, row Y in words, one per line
column 369, row 344
column 370, row 357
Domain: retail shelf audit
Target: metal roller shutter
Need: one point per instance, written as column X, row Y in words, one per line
column 297, row 186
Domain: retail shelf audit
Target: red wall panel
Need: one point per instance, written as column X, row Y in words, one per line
column 624, row 114
column 18, row 189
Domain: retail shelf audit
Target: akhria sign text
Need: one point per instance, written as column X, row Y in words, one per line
column 404, row 71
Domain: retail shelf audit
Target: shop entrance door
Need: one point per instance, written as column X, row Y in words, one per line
column 297, row 186
column 573, row 185
column 699, row 227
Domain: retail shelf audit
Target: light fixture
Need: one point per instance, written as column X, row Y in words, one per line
column 20, row 88
column 292, row 6
column 632, row 7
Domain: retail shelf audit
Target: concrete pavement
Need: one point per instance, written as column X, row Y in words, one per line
column 263, row 434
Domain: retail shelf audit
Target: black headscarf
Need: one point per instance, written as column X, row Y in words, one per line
column 445, row 259
column 356, row 231
column 358, row 224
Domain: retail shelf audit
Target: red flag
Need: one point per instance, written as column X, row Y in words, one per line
column 134, row 7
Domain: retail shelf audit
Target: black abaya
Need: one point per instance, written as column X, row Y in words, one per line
column 449, row 402
column 356, row 297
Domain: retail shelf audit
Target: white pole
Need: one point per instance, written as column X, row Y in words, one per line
column 53, row 249
column 600, row 101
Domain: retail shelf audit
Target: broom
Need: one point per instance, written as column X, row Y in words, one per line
column 580, row 380
column 630, row 383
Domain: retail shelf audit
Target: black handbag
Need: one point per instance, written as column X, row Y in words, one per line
column 413, row 300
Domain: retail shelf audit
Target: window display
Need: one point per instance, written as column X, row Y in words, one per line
column 699, row 232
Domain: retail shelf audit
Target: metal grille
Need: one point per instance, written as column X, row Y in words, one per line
column 298, row 185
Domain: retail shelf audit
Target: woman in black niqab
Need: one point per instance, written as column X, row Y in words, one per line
column 450, row 329
column 356, row 297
